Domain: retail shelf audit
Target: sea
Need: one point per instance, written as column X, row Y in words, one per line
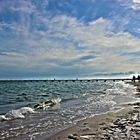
column 33, row 110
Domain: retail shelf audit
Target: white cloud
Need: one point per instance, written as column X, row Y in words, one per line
column 137, row 30
column 23, row 6
column 12, row 59
column 136, row 4
column 12, row 26
column 136, row 1
column 96, row 37
column 67, row 40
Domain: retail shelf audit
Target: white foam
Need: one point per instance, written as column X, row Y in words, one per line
column 16, row 114
column 56, row 101
column 3, row 118
column 26, row 110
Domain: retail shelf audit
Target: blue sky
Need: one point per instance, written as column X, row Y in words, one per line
column 68, row 38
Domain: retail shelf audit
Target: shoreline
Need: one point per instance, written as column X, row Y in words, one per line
column 90, row 127
column 115, row 124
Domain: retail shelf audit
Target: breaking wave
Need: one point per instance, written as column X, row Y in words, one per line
column 20, row 113
column 16, row 114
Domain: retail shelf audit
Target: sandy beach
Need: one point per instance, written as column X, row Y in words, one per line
column 121, row 124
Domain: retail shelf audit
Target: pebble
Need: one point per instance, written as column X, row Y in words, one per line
column 124, row 128
column 137, row 124
column 73, row 137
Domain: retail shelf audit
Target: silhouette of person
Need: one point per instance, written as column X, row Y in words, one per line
column 138, row 78
column 134, row 78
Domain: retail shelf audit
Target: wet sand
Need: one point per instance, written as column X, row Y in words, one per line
column 119, row 125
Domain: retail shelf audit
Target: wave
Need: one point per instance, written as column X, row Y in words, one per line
column 16, row 114
column 20, row 113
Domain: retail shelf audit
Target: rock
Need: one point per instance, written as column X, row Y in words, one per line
column 110, row 132
column 136, row 107
column 87, row 137
column 104, row 128
column 137, row 132
column 86, row 129
column 38, row 106
column 124, row 128
column 135, row 117
column 124, row 119
column 131, row 121
column 137, row 124
column 128, row 131
column 102, row 137
column 116, row 122
column 116, row 137
column 73, row 136
column 137, row 104
column 114, row 126
column 85, row 123
column 117, row 130
column 123, row 135
column 49, row 103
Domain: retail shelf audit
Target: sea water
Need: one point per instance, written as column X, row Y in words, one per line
column 73, row 101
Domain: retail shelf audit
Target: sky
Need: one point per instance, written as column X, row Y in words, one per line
column 68, row 38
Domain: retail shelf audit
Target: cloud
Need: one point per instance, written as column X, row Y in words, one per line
column 136, row 4
column 23, row 6
column 96, row 37
column 71, row 44
column 14, row 27
column 133, row 4
column 9, row 53
column 137, row 30
column 39, row 41
column 136, row 1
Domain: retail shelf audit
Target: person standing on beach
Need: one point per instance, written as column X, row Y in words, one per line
column 134, row 78
column 138, row 78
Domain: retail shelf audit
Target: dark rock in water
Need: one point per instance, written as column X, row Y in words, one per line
column 49, row 103
column 45, row 104
column 38, row 106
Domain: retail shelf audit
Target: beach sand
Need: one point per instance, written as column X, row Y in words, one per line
column 123, row 124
